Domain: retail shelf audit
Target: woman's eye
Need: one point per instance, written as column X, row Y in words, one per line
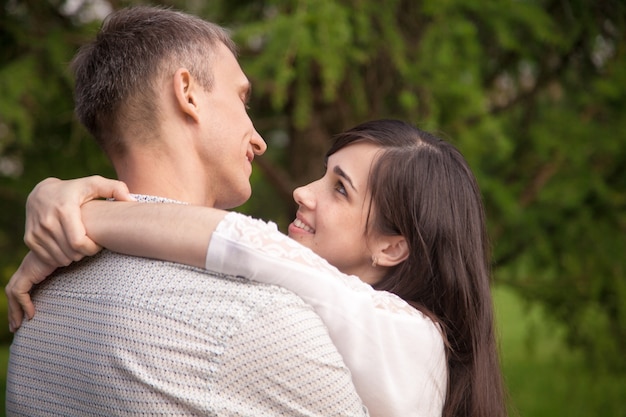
column 340, row 188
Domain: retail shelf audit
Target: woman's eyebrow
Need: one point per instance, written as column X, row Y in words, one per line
column 343, row 175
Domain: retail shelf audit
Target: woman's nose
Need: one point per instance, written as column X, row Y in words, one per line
column 303, row 196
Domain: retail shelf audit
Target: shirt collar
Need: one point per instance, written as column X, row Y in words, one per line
column 142, row 198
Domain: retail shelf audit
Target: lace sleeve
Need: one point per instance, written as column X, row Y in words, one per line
column 265, row 238
column 395, row 354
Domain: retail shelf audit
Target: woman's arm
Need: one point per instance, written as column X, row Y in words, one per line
column 171, row 232
column 62, row 228
column 55, row 234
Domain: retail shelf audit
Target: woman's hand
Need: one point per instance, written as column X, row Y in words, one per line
column 32, row 271
column 54, row 227
column 55, row 234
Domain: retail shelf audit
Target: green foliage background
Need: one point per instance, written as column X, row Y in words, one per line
column 533, row 92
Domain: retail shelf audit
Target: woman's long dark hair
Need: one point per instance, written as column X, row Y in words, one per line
column 423, row 189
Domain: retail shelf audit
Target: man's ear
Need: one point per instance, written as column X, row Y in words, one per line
column 185, row 90
column 392, row 250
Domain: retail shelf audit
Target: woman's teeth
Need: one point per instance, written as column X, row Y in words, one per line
column 299, row 224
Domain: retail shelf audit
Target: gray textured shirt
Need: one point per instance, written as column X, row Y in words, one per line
column 127, row 336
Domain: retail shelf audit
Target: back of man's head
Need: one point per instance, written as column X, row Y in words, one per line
column 118, row 74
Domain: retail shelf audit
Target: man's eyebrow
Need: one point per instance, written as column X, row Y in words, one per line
column 343, row 175
column 248, row 93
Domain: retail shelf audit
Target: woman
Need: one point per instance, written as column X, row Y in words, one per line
column 398, row 208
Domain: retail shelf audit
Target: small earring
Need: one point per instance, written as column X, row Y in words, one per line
column 374, row 261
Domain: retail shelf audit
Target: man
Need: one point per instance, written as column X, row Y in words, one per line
column 163, row 94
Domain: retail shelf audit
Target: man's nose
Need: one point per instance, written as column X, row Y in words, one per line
column 258, row 144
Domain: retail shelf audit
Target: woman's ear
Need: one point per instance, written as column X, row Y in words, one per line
column 185, row 90
column 392, row 250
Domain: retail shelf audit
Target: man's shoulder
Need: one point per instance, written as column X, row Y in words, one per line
column 107, row 262
column 119, row 275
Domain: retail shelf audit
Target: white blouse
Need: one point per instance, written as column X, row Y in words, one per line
column 395, row 353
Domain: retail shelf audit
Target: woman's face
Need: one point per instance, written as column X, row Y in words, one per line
column 332, row 212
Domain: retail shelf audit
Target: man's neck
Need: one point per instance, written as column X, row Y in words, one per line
column 159, row 177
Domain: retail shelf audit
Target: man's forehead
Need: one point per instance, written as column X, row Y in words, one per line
column 226, row 65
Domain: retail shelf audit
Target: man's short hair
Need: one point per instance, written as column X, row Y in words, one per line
column 118, row 74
